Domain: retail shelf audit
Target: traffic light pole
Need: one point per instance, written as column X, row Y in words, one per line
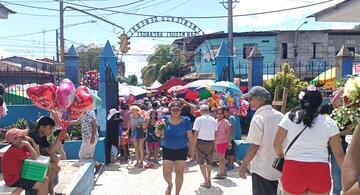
column 62, row 39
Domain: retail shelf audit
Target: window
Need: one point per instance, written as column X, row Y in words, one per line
column 265, row 41
column 352, row 50
column 314, row 50
column 284, row 47
column 247, row 48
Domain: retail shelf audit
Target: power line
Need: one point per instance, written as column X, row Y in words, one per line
column 108, row 9
column 30, row 6
column 176, row 6
column 40, row 32
column 186, row 17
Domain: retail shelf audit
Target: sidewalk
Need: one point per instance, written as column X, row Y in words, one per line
column 124, row 179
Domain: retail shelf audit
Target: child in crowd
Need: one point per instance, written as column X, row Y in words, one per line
column 21, row 149
column 124, row 147
column 153, row 141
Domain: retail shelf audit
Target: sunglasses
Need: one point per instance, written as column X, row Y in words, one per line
column 220, row 113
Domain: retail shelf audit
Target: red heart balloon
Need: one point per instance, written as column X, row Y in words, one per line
column 42, row 96
column 83, row 100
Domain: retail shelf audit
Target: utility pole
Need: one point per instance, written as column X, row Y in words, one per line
column 62, row 41
column 57, row 45
column 230, row 8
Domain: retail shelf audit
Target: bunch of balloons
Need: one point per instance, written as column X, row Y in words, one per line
column 91, row 79
column 64, row 100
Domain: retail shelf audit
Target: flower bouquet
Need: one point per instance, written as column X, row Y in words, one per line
column 349, row 113
column 160, row 126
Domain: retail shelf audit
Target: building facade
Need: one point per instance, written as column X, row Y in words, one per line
column 308, row 52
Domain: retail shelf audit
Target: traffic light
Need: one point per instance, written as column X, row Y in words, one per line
column 124, row 43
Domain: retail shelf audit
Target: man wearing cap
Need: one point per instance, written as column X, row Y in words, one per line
column 205, row 127
column 261, row 154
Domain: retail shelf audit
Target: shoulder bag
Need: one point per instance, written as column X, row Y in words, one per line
column 278, row 163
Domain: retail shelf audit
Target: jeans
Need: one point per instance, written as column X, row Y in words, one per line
column 336, row 176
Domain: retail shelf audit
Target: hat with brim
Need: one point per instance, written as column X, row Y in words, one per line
column 257, row 91
column 135, row 108
column 11, row 134
column 112, row 112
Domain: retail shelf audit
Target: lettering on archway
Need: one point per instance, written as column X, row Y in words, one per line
column 197, row 31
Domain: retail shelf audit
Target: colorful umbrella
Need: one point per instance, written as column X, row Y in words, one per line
column 226, row 86
column 199, row 84
column 176, row 88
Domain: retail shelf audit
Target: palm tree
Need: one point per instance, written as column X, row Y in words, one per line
column 167, row 61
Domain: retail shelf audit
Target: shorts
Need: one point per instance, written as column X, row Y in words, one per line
column 25, row 184
column 231, row 152
column 221, row 148
column 175, row 154
column 137, row 134
column 300, row 177
column 153, row 145
column 204, row 151
column 87, row 150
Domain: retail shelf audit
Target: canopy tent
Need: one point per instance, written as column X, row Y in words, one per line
column 330, row 75
column 125, row 90
column 154, row 86
column 171, row 82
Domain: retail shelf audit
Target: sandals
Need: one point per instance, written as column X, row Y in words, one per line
column 220, row 176
column 205, row 185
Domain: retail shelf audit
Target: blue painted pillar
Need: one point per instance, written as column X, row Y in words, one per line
column 344, row 63
column 107, row 57
column 72, row 62
column 255, row 69
column 222, row 63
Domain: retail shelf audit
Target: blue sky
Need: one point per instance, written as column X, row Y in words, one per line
column 32, row 46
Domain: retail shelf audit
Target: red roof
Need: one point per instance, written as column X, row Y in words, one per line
column 172, row 82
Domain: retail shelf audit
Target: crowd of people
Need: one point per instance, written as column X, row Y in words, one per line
column 204, row 134
column 306, row 138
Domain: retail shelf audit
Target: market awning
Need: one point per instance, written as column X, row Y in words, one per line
column 172, row 82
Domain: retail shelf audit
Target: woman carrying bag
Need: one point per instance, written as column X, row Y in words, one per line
column 306, row 167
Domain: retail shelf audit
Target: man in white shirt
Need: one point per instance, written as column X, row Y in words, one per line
column 261, row 154
column 205, row 127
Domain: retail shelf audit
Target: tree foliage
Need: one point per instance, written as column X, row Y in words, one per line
column 131, row 79
column 357, row 27
column 287, row 78
column 167, row 61
column 89, row 56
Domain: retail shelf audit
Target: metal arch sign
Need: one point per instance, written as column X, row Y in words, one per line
column 172, row 19
column 157, row 34
column 178, row 20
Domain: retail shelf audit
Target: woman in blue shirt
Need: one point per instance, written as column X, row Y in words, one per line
column 177, row 134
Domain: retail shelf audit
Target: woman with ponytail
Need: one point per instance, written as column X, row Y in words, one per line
column 306, row 169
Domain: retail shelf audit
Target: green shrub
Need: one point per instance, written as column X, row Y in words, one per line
column 286, row 78
column 21, row 124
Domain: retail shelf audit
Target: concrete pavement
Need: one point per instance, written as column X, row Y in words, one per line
column 125, row 179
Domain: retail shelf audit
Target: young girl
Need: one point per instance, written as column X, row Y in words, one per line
column 153, row 141
column 222, row 141
column 21, row 149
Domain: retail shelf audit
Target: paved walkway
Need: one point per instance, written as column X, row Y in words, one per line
column 124, row 179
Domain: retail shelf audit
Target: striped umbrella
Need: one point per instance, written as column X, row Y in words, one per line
column 226, row 86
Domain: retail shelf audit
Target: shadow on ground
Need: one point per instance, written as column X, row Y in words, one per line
column 212, row 191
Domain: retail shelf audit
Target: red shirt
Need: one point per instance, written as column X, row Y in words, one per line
column 12, row 163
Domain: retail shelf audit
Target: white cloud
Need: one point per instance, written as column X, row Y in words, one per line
column 275, row 19
column 134, row 64
column 4, row 53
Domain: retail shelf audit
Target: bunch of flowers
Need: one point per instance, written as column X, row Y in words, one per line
column 160, row 126
column 91, row 79
column 349, row 113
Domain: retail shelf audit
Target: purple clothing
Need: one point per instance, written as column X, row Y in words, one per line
column 125, row 114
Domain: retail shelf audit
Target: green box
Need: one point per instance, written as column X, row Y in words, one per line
column 35, row 169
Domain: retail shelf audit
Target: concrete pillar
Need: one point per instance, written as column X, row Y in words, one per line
column 344, row 63
column 255, row 68
column 72, row 62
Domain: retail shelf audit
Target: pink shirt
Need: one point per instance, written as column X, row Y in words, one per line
column 222, row 134
column 126, row 117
